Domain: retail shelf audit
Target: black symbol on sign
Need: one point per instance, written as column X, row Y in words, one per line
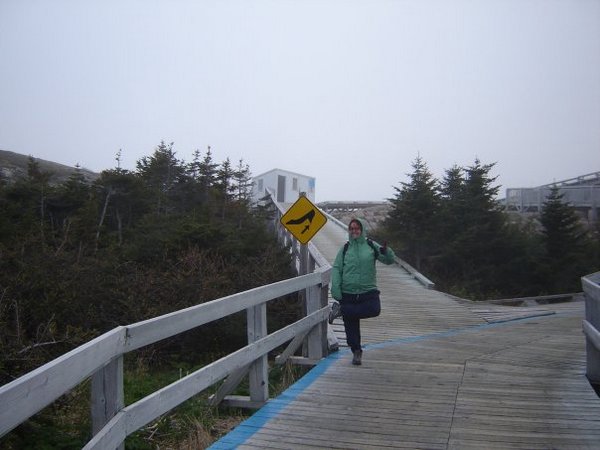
column 308, row 216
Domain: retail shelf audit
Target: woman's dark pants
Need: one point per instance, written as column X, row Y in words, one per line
column 356, row 307
column 352, row 327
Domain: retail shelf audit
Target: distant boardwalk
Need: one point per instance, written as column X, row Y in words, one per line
column 439, row 374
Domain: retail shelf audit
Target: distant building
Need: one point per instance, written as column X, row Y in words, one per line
column 285, row 185
column 582, row 193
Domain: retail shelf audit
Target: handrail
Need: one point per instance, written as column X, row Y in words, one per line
column 102, row 358
column 153, row 330
column 591, row 325
column 136, row 415
column 25, row 396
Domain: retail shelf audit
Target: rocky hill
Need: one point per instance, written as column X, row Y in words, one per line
column 372, row 216
column 14, row 166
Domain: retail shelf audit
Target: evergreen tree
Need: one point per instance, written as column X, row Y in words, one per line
column 208, row 171
column 123, row 200
column 452, row 204
column 162, row 172
column 412, row 221
column 242, row 195
column 474, row 231
column 72, row 212
column 24, row 209
column 203, row 171
column 224, row 187
column 564, row 244
column 193, row 168
column 242, row 181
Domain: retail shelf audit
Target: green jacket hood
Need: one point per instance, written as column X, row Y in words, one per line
column 363, row 233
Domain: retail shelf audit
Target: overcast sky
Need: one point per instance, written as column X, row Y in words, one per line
column 347, row 91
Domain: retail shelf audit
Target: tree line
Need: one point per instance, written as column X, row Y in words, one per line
column 455, row 231
column 79, row 258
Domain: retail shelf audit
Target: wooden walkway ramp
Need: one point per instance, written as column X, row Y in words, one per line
column 439, row 373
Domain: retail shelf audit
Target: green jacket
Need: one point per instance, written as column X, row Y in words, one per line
column 355, row 272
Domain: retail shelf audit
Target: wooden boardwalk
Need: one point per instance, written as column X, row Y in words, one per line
column 439, row 373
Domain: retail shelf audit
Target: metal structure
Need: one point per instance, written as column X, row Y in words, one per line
column 582, row 193
column 347, row 206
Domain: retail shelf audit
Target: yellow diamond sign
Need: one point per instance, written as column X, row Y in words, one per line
column 303, row 220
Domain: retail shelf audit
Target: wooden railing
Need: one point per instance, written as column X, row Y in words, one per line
column 591, row 326
column 102, row 358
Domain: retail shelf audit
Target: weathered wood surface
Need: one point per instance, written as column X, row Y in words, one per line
column 407, row 308
column 517, row 384
column 440, row 373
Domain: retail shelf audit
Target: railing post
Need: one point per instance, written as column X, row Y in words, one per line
column 107, row 394
column 324, row 292
column 258, row 374
column 320, row 302
column 303, row 259
column 591, row 287
column 315, row 337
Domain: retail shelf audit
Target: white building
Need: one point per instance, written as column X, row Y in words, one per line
column 284, row 184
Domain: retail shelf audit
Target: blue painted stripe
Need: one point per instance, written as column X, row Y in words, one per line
column 455, row 331
column 247, row 428
column 254, row 423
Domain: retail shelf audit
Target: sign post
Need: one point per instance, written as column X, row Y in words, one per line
column 303, row 220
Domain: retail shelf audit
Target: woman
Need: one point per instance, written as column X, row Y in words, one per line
column 353, row 283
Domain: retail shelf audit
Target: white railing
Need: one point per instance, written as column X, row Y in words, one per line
column 591, row 325
column 102, row 358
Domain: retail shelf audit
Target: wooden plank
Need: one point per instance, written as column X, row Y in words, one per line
column 242, row 401
column 315, row 337
column 291, row 348
column 258, row 375
column 107, row 393
column 517, row 385
column 230, row 383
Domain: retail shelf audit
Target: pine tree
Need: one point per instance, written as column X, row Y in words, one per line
column 413, row 217
column 23, row 205
column 563, row 239
column 242, row 181
column 72, row 211
column 124, row 200
column 224, row 187
column 473, row 230
column 162, row 172
column 204, row 171
column 452, row 203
